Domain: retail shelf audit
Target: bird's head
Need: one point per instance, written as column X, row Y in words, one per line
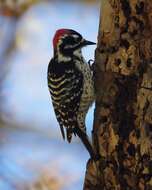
column 66, row 42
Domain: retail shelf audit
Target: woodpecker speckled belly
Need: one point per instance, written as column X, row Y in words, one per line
column 88, row 95
column 70, row 82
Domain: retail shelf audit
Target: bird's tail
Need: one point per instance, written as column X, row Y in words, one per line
column 85, row 140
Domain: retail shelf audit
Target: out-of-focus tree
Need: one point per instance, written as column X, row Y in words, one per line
column 15, row 7
column 122, row 130
column 46, row 182
column 10, row 11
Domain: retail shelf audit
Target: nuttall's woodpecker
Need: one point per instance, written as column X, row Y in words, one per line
column 71, row 85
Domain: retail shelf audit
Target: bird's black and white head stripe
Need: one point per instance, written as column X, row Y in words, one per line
column 66, row 41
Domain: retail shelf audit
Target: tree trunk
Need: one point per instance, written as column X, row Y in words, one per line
column 122, row 132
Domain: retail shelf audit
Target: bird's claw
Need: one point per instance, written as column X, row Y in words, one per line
column 91, row 63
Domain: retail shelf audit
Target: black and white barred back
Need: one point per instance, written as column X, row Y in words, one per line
column 72, row 93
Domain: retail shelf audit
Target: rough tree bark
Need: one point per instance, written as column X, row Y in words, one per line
column 122, row 132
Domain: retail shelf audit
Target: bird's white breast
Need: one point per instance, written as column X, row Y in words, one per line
column 88, row 95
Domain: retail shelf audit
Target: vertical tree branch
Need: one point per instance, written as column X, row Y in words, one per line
column 122, row 130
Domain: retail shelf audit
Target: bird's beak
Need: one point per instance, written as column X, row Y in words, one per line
column 86, row 43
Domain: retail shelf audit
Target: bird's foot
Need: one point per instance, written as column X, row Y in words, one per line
column 91, row 64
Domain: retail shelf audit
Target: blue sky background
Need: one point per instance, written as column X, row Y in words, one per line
column 35, row 145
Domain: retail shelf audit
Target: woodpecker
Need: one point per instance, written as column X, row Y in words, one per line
column 71, row 85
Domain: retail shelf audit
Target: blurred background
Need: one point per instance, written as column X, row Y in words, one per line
column 32, row 153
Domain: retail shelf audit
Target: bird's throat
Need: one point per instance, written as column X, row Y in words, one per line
column 66, row 58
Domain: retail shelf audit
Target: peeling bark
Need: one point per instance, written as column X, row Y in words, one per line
column 122, row 131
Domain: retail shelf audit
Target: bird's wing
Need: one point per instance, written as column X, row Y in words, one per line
column 66, row 86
